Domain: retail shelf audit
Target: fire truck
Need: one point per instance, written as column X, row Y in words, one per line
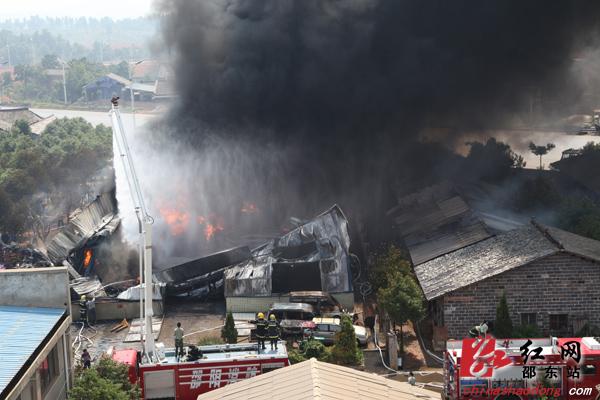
column 217, row 366
column 548, row 368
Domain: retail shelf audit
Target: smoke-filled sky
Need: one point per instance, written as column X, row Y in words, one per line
column 293, row 105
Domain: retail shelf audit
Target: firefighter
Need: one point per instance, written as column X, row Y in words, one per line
column 479, row 331
column 261, row 330
column 178, row 336
column 83, row 309
column 273, row 331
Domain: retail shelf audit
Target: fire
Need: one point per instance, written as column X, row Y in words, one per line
column 178, row 221
column 87, row 258
column 210, row 226
column 249, row 208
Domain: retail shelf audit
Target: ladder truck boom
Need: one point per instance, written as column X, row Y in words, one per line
column 145, row 222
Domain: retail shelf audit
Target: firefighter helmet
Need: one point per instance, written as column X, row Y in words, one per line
column 83, row 297
column 272, row 317
column 261, row 315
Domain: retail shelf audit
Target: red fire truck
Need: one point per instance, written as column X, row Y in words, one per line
column 549, row 368
column 217, row 366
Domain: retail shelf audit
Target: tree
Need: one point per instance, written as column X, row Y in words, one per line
column 491, row 160
column 108, row 379
column 503, row 327
column 580, row 215
column 540, row 150
column 390, row 261
column 50, row 61
column 45, row 176
column 90, row 386
column 346, row 350
column 121, row 69
column 402, row 299
column 228, row 332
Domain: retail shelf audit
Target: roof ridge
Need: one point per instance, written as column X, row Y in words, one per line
column 547, row 233
column 316, row 381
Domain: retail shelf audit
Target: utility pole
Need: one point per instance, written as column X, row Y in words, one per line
column 64, row 80
column 131, row 94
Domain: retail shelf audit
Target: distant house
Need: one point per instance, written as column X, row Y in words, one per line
column 10, row 114
column 105, row 87
column 550, row 278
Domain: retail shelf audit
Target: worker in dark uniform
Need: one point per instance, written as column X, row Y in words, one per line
column 86, row 359
column 83, row 309
column 273, row 331
column 261, row 330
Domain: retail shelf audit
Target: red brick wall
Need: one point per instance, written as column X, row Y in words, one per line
column 558, row 284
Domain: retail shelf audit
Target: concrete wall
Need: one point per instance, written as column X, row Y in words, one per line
column 258, row 304
column 558, row 284
column 35, row 287
column 116, row 310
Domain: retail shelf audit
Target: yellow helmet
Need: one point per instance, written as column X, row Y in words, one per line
column 272, row 317
column 261, row 315
column 83, row 297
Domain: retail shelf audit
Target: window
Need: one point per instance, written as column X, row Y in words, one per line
column 49, row 370
column 559, row 322
column 529, row 319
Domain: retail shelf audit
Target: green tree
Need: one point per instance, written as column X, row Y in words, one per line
column 50, row 61
column 491, row 160
column 390, row 261
column 346, row 350
column 228, row 332
column 118, row 374
column 503, row 327
column 540, row 150
column 107, row 379
column 402, row 299
column 45, row 176
column 580, row 215
column 121, row 69
column 90, row 386
column 81, row 72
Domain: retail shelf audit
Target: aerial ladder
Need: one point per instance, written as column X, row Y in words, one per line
column 145, row 222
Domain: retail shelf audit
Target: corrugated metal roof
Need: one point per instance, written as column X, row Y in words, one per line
column 22, row 330
column 314, row 379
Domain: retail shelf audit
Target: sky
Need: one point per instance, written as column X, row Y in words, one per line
column 116, row 9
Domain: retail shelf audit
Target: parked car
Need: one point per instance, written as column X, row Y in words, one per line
column 326, row 328
column 291, row 316
column 324, row 304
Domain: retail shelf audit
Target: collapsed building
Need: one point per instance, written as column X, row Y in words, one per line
column 78, row 242
column 313, row 256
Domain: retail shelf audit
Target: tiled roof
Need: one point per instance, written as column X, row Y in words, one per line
column 314, row 379
column 498, row 254
column 22, row 330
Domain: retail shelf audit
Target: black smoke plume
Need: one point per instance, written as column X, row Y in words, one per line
column 297, row 104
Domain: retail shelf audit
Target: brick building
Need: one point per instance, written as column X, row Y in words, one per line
column 550, row 278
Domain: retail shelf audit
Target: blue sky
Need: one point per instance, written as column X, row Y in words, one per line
column 117, row 9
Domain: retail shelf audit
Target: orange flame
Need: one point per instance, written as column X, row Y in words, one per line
column 210, row 230
column 249, row 208
column 178, row 221
column 87, row 258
